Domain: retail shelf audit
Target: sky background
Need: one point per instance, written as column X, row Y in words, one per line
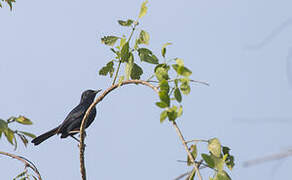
column 51, row 52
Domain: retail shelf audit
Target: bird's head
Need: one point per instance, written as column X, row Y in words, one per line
column 89, row 95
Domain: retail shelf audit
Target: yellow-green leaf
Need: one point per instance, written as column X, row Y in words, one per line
column 143, row 9
column 23, row 120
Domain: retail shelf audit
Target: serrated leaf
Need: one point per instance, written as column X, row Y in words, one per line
column 161, row 74
column 214, row 147
column 27, row 134
column 123, row 42
column 129, row 22
column 161, row 104
column 177, row 95
column 137, row 71
column 23, row 120
column 193, row 150
column 164, row 86
column 109, row 40
column 143, row 38
column 163, row 49
column 125, row 54
column 163, row 116
column 147, row 56
column 210, row 162
column 143, row 9
column 9, row 134
column 164, row 97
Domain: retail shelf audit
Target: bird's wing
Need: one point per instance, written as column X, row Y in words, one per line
column 75, row 115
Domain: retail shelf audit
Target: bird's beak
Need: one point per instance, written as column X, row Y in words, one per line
column 97, row 91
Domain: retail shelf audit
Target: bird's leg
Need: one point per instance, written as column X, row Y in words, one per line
column 75, row 138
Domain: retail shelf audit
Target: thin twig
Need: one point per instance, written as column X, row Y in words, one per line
column 171, row 80
column 197, row 140
column 27, row 163
column 187, row 149
column 117, row 72
column 268, row 158
column 100, row 98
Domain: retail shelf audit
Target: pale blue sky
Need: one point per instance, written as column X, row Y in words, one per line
column 51, row 52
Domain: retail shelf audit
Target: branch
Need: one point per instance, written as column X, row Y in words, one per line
column 26, row 162
column 100, row 98
column 196, row 165
column 268, row 158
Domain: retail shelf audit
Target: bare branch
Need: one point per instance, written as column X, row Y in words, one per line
column 27, row 163
column 272, row 157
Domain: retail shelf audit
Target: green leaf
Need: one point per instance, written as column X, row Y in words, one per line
column 181, row 70
column 193, row 150
column 147, row 56
column 163, row 65
column 123, row 42
column 137, row 71
column 20, row 175
column 161, row 104
column 3, row 125
column 172, row 113
column 161, row 74
column 27, row 134
column 164, row 86
column 210, row 162
column 1, row 7
column 230, row 162
column 163, row 116
column 164, row 97
column 109, row 40
column 129, row 22
column 218, row 162
column 9, row 135
column 108, row 69
column 23, row 139
column 222, row 175
column 121, row 79
column 143, row 9
column 163, row 49
column 23, row 120
column 214, row 147
column 177, row 95
column 179, row 111
column 143, row 38
column 125, row 52
column 185, row 86
column 179, row 62
column 129, row 66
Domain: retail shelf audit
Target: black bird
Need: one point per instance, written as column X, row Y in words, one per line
column 71, row 124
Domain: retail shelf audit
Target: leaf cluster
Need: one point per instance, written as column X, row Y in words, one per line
column 11, row 134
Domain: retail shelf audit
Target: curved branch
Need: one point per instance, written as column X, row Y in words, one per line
column 26, row 162
column 100, row 98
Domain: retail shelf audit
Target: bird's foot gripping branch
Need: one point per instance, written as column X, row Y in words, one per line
column 172, row 82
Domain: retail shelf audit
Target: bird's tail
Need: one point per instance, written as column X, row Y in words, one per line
column 45, row 136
